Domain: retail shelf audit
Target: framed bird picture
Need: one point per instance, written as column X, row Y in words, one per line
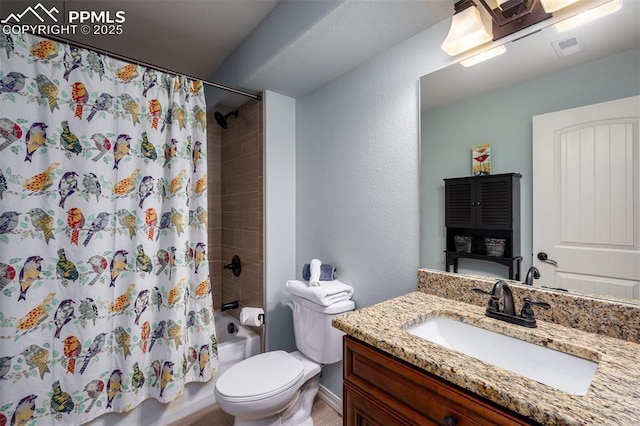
column 481, row 159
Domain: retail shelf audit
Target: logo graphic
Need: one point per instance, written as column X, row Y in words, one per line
column 16, row 18
column 42, row 20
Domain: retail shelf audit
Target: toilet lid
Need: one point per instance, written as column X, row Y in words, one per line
column 260, row 376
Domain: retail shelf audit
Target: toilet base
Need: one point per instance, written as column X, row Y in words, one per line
column 297, row 413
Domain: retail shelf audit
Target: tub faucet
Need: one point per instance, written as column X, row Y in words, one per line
column 532, row 274
column 230, row 305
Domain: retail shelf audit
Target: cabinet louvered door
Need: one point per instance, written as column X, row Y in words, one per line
column 493, row 203
column 481, row 208
column 460, row 205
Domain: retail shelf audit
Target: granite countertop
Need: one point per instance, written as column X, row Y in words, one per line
column 613, row 397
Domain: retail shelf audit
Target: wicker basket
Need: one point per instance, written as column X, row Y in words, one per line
column 495, row 246
column 463, row 244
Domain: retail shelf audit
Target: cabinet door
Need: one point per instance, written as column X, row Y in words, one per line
column 361, row 410
column 493, row 203
column 459, row 203
column 382, row 390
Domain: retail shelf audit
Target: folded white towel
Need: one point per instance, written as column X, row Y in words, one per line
column 314, row 269
column 328, row 293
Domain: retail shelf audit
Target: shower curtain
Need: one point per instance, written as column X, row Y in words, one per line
column 105, row 298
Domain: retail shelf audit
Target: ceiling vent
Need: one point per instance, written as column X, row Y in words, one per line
column 568, row 46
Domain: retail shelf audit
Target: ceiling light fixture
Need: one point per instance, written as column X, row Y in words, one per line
column 507, row 17
column 513, row 15
column 588, row 15
column 484, row 56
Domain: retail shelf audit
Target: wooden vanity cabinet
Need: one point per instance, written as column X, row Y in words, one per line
column 484, row 207
column 379, row 389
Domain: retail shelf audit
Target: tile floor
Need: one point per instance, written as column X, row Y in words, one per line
column 322, row 414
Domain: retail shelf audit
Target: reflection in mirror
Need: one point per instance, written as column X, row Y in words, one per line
column 494, row 102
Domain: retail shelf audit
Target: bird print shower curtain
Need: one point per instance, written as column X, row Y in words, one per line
column 105, row 298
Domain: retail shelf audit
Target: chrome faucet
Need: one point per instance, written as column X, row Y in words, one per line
column 532, row 274
column 508, row 313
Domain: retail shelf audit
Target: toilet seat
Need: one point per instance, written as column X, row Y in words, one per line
column 259, row 377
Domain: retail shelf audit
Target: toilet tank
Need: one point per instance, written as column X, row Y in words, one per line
column 315, row 337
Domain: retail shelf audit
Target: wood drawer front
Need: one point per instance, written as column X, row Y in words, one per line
column 384, row 377
column 362, row 410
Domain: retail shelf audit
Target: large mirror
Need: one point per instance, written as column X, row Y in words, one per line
column 494, row 102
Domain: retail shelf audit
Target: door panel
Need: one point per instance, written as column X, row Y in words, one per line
column 586, row 197
column 460, row 208
column 625, row 289
column 494, row 210
column 596, row 185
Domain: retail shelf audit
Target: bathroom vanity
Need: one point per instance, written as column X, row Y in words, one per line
column 394, row 377
column 381, row 389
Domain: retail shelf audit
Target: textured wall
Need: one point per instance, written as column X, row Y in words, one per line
column 357, row 175
column 280, row 216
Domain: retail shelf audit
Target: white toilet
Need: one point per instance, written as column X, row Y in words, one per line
column 278, row 388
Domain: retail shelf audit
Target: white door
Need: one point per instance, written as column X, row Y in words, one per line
column 586, row 198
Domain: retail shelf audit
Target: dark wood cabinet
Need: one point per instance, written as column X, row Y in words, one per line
column 379, row 389
column 481, row 207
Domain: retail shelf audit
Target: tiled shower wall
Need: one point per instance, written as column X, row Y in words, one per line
column 236, row 206
column 214, row 194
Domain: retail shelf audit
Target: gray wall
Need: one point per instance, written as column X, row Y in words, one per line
column 357, row 174
column 285, row 22
column 504, row 119
column 356, row 178
column 280, row 217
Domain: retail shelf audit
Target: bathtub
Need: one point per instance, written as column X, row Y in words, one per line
column 197, row 396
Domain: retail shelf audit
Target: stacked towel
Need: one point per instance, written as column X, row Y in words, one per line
column 328, row 293
column 314, row 273
column 327, row 272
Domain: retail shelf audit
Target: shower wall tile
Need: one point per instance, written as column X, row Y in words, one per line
column 249, row 145
column 232, row 221
column 245, row 282
column 215, row 248
column 249, row 240
column 248, row 124
column 231, row 152
column 215, row 179
column 251, row 297
column 250, row 261
column 214, row 194
column 244, row 184
column 242, row 222
column 239, row 203
column 241, row 190
column 215, row 204
column 244, row 164
column 231, row 292
column 249, row 224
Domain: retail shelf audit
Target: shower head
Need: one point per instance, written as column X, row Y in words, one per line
column 222, row 119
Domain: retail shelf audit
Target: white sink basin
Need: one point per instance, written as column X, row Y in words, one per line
column 562, row 371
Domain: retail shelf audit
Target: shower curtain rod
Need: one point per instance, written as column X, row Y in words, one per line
column 145, row 64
